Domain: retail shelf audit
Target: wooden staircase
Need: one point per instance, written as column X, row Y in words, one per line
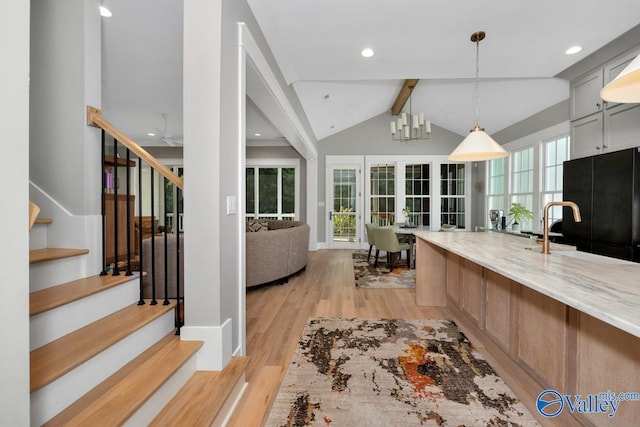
column 98, row 358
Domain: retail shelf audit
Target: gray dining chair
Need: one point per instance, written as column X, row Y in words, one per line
column 386, row 240
column 371, row 238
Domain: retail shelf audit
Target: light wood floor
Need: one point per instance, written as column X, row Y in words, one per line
column 277, row 314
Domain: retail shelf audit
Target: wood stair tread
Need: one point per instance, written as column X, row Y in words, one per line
column 114, row 400
column 55, row 359
column 44, row 221
column 200, row 400
column 254, row 406
column 56, row 296
column 51, row 254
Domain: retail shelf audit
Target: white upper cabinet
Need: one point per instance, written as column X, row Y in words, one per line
column 596, row 125
column 585, row 94
column 621, row 127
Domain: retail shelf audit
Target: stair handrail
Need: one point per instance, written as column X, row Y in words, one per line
column 95, row 119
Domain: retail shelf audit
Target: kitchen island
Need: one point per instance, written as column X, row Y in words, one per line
column 568, row 320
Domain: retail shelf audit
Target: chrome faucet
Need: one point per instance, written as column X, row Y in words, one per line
column 576, row 217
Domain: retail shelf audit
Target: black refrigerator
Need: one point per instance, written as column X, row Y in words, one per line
column 606, row 188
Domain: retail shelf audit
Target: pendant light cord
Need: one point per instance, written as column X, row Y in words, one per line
column 477, row 82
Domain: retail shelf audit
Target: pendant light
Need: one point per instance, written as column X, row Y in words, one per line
column 478, row 145
column 626, row 86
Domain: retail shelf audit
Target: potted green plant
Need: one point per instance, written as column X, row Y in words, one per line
column 519, row 212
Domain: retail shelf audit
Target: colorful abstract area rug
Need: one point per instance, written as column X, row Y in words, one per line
column 368, row 276
column 353, row 372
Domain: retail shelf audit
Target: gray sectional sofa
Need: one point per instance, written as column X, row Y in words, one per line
column 271, row 255
column 278, row 253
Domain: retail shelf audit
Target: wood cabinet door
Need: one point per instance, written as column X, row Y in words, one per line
column 608, row 359
column 453, row 278
column 431, row 275
column 542, row 337
column 499, row 309
column 472, row 292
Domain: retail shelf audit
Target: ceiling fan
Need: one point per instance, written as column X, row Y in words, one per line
column 170, row 140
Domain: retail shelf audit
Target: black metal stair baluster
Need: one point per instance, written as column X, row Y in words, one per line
column 153, row 241
column 116, row 270
column 180, row 321
column 103, row 178
column 166, row 251
column 128, row 273
column 140, row 254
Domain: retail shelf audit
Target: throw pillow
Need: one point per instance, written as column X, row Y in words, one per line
column 255, row 226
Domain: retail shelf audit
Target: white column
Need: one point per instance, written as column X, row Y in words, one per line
column 14, row 281
column 202, row 162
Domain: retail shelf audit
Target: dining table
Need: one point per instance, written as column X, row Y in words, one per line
column 406, row 233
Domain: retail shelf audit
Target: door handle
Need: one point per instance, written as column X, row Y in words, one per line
column 330, row 216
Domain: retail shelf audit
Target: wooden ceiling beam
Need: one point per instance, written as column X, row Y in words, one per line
column 403, row 96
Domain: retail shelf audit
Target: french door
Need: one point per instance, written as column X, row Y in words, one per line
column 344, row 203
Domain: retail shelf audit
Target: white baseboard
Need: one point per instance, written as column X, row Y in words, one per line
column 218, row 344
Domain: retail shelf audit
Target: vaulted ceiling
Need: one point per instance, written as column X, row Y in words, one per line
column 317, row 45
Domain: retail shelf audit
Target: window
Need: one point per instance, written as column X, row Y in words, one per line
column 174, row 210
column 522, row 181
column 417, row 193
column 452, row 192
column 162, row 188
column 554, row 153
column 383, row 181
column 344, row 204
column 272, row 190
column 495, row 189
column 532, row 175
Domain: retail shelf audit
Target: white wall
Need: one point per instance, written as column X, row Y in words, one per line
column 14, row 280
column 202, row 72
column 373, row 138
column 214, row 157
column 65, row 76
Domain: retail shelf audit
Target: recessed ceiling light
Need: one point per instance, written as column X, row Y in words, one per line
column 105, row 12
column 573, row 49
column 151, row 134
column 367, row 52
column 257, row 134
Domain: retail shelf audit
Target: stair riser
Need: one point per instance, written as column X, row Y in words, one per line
column 43, row 275
column 231, row 403
column 147, row 412
column 38, row 237
column 53, row 324
column 50, row 400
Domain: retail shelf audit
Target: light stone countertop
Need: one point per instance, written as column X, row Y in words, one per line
column 603, row 287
